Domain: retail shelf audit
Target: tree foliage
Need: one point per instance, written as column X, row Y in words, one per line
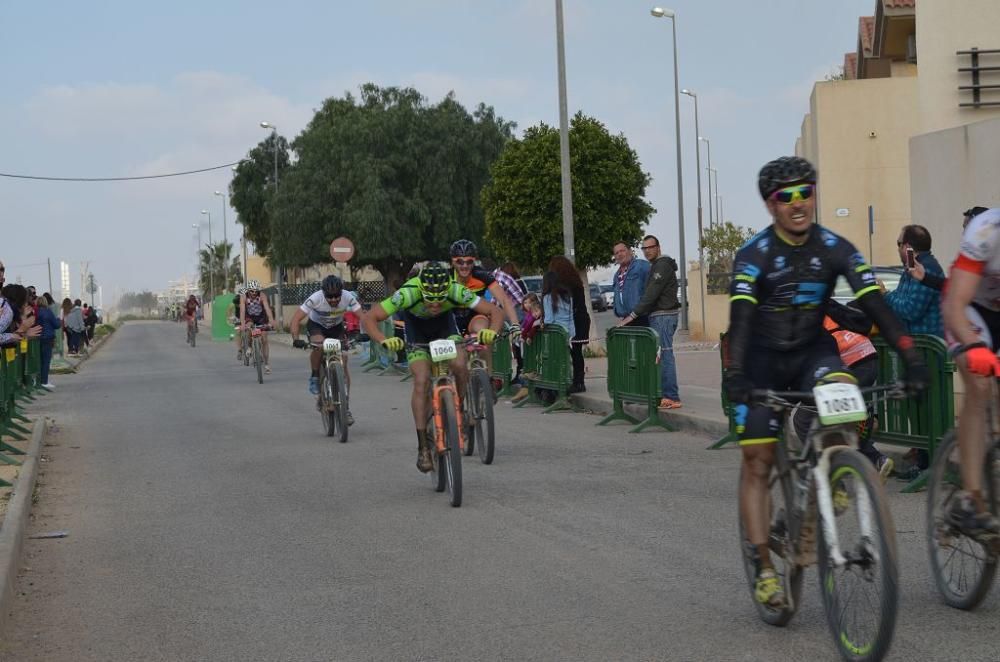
column 145, row 301
column 252, row 189
column 523, row 201
column 400, row 177
column 213, row 270
column 720, row 243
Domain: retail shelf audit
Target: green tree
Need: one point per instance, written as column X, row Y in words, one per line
column 252, row 190
column 212, row 266
column 400, row 177
column 523, row 201
column 720, row 243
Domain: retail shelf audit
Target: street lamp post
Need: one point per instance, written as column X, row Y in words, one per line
column 243, row 240
column 211, row 255
column 564, row 163
column 274, row 145
column 697, row 169
column 708, row 147
column 197, row 226
column 659, row 12
column 225, row 242
column 715, row 172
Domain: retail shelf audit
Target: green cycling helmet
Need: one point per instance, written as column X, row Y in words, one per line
column 435, row 279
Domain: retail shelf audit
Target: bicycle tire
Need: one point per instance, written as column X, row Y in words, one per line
column 470, row 413
column 191, row 335
column 437, row 470
column 877, row 556
column 945, row 481
column 339, row 392
column 323, row 401
column 782, row 549
column 452, row 459
column 483, row 425
column 246, row 351
column 258, row 360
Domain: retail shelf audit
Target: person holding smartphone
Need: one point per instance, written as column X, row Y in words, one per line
column 915, row 304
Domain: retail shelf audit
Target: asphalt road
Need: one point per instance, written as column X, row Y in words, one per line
column 210, row 519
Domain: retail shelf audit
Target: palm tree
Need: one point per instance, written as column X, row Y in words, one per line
column 212, row 261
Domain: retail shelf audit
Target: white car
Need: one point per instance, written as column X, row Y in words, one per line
column 608, row 292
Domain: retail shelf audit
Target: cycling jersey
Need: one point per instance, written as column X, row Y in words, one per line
column 254, row 309
column 980, row 254
column 789, row 284
column 190, row 308
column 479, row 282
column 322, row 313
column 409, row 299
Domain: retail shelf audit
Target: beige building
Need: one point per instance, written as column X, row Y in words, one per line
column 904, row 132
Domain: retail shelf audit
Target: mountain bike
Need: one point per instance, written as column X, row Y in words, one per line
column 826, row 489
column 332, row 399
column 192, row 332
column 479, row 405
column 963, row 567
column 444, row 419
column 256, row 334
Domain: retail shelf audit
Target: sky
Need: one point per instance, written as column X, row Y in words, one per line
column 121, row 88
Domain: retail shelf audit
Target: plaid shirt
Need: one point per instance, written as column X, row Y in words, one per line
column 915, row 304
column 509, row 286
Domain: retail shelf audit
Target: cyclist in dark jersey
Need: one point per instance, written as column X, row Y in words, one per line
column 480, row 281
column 427, row 304
column 255, row 309
column 776, row 339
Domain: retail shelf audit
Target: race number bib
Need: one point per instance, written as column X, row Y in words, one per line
column 839, row 403
column 443, row 350
column 331, row 345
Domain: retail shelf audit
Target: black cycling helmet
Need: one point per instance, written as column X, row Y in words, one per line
column 332, row 286
column 464, row 248
column 783, row 172
column 972, row 212
column 435, row 279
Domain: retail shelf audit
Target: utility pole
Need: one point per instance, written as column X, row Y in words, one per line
column 569, row 247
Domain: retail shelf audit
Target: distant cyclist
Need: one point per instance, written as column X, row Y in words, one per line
column 427, row 303
column 190, row 311
column 233, row 316
column 325, row 310
column 255, row 309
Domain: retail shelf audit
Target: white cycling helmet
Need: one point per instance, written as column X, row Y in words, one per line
column 252, row 286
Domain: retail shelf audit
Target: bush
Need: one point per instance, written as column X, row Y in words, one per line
column 103, row 330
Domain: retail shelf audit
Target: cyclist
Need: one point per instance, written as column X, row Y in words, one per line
column 778, row 298
column 971, row 309
column 427, row 303
column 325, row 310
column 190, row 311
column 233, row 315
column 254, row 309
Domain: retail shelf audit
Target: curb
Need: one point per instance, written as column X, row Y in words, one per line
column 71, row 368
column 16, row 522
column 682, row 421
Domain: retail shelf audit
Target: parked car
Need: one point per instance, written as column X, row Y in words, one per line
column 533, row 283
column 889, row 275
column 608, row 292
column 597, row 298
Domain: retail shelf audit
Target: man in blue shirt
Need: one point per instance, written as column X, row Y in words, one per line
column 915, row 304
column 629, row 284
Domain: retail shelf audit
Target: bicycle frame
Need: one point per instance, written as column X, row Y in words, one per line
column 441, row 380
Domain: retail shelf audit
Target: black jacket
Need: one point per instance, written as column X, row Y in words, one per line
column 661, row 288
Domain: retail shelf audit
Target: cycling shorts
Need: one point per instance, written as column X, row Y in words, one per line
column 985, row 322
column 336, row 331
column 796, row 370
column 422, row 330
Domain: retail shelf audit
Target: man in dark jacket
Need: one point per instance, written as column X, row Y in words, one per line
column 659, row 302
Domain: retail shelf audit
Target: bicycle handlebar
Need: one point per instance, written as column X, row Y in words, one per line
column 788, row 399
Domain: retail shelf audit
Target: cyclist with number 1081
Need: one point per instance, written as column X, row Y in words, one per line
column 782, row 280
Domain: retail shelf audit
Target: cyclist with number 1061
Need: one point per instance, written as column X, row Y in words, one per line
column 778, row 298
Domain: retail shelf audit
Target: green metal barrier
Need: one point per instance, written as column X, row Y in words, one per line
column 11, row 385
column 33, row 366
column 547, row 366
column 921, row 421
column 503, row 363
column 634, row 375
column 380, row 359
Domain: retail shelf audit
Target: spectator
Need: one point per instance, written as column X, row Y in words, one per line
column 915, row 304
column 557, row 303
column 17, row 319
column 85, row 337
column 531, row 321
column 932, row 280
column 49, row 323
column 510, row 280
column 570, row 279
column 90, row 321
column 659, row 303
column 65, row 308
column 73, row 320
column 629, row 283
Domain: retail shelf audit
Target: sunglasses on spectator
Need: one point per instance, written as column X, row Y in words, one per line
column 646, row 248
column 792, row 194
column 467, row 262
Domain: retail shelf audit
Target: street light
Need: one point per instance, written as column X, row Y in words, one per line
column 274, row 145
column 198, row 227
column 564, row 163
column 243, row 237
column 211, row 255
column 225, row 241
column 659, row 12
column 708, row 146
column 697, row 169
column 714, row 171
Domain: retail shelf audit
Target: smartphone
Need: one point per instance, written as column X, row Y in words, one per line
column 911, row 261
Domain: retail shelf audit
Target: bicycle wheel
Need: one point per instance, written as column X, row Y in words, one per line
column 324, row 403
column 438, row 476
column 780, row 503
column 470, row 413
column 191, row 335
column 339, row 391
column 451, row 461
column 246, row 350
column 258, row 361
column 860, row 595
column 482, row 409
column 963, row 568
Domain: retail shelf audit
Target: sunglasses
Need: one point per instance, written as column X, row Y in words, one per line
column 468, row 262
column 646, row 248
column 792, row 194
column 336, row 298
column 434, row 298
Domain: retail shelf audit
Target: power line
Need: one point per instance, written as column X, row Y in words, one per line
column 119, row 179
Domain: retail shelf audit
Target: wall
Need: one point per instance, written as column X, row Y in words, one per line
column 943, row 27
column 950, row 171
column 716, row 309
